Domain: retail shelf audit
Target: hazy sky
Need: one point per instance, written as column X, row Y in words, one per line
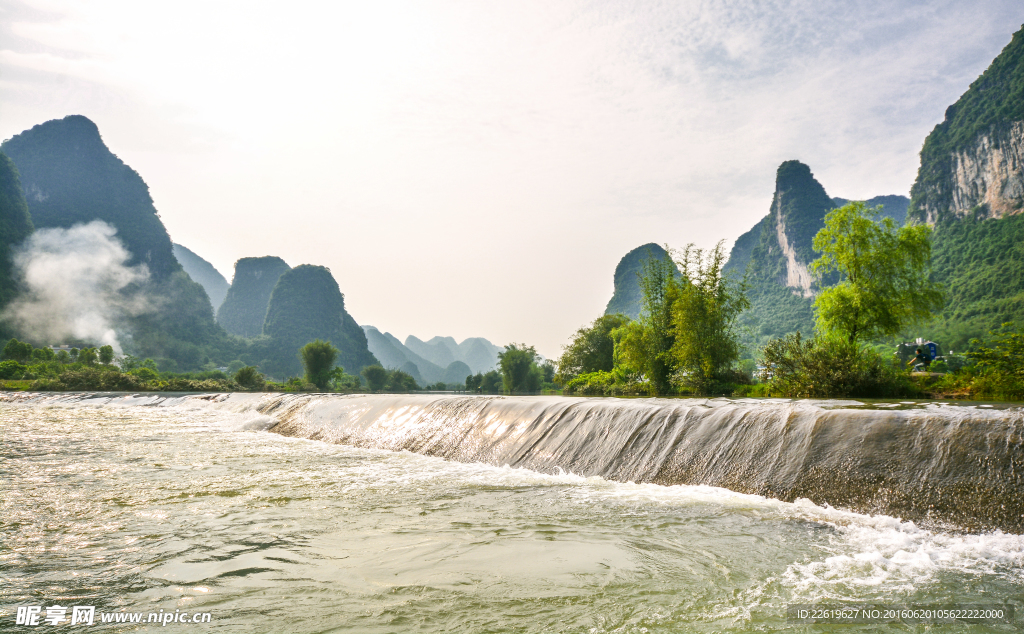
column 475, row 168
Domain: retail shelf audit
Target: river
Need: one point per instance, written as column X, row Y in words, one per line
column 248, row 509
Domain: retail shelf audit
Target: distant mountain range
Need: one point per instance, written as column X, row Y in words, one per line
column 203, row 272
column 439, row 359
column 68, row 176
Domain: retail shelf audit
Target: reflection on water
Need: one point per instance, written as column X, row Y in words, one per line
column 194, row 508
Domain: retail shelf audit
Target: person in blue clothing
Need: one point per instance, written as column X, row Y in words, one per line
column 922, row 360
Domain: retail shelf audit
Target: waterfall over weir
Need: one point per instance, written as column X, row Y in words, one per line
column 938, row 464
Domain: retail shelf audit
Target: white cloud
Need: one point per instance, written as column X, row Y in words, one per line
column 489, row 163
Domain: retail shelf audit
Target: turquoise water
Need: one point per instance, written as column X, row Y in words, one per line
column 195, row 508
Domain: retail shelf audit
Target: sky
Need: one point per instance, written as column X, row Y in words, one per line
column 470, row 168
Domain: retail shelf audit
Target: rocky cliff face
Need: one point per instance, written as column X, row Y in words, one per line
column 779, row 247
column 972, row 164
column 775, row 255
column 797, row 275
column 971, row 187
column 985, row 179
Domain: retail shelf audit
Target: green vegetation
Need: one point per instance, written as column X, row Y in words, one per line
column 24, row 367
column 250, row 378
column 775, row 310
column 703, row 319
column 43, row 369
column 883, row 285
column 980, row 264
column 19, row 350
column 592, row 349
column 87, row 356
column 520, row 373
column 15, row 225
column 994, row 369
column 485, row 383
column 1002, row 359
column 618, row 382
column 883, row 272
column 829, row 366
column 318, row 360
column 992, row 102
column 380, row 380
column 683, row 341
column 106, row 354
column 399, row 381
column 875, row 282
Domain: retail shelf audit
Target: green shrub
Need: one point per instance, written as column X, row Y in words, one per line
column 250, row 378
column 830, row 367
column 11, row 370
column 93, row 379
column 759, row 390
column 614, row 383
column 192, row 385
column 146, row 374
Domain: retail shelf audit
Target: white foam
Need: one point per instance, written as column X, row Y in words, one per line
column 879, row 551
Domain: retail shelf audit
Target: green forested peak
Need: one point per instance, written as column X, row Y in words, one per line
column 791, row 174
column 626, row 297
column 245, row 305
column 307, row 304
column 69, row 176
column 800, row 206
column 997, row 96
column 15, row 224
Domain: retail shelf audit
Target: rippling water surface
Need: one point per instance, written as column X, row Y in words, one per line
column 193, row 508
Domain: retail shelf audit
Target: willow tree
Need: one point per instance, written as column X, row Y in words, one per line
column 318, row 358
column 884, row 274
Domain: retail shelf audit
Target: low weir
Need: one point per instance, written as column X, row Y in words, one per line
column 946, row 465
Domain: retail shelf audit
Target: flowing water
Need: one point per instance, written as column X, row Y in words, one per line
column 428, row 514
